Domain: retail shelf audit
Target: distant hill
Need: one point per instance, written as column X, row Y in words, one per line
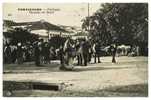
column 71, row 29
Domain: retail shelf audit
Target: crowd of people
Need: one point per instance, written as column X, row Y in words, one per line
column 80, row 51
column 18, row 53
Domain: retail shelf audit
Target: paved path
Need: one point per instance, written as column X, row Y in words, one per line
column 127, row 71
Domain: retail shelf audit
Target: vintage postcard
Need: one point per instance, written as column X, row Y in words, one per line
column 75, row 49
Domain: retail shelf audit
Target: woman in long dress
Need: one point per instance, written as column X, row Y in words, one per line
column 68, row 59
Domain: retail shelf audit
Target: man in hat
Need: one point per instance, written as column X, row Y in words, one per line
column 19, row 53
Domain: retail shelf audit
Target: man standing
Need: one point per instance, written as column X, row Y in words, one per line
column 113, row 49
column 19, row 53
column 85, row 52
column 7, row 52
column 90, row 51
column 96, row 49
column 37, row 55
column 61, row 56
column 79, row 52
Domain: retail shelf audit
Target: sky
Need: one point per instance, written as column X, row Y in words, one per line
column 62, row 14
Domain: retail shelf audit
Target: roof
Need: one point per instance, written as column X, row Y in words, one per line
column 36, row 25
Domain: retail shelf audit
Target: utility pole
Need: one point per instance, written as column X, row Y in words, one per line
column 88, row 17
column 88, row 9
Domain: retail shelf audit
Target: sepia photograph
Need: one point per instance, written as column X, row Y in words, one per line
column 75, row 49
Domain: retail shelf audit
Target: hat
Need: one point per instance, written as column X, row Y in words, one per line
column 19, row 44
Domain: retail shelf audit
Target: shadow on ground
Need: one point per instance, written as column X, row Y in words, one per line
column 55, row 68
column 23, row 89
column 98, row 68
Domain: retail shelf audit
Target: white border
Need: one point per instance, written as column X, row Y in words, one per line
column 1, row 44
column 71, row 1
column 75, row 1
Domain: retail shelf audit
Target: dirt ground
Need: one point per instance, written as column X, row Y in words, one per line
column 128, row 77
